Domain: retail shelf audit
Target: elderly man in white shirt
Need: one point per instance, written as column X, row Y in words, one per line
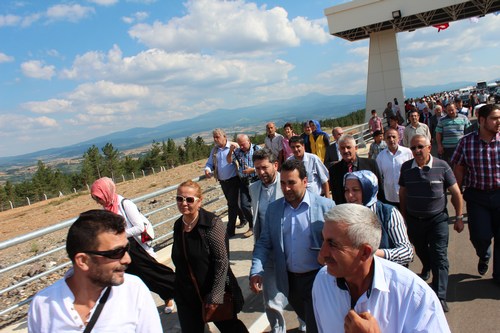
column 389, row 162
column 96, row 293
column 359, row 292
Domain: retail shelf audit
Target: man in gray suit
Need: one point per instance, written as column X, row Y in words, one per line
column 264, row 191
column 291, row 234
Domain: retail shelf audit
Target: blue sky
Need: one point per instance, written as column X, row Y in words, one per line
column 74, row 70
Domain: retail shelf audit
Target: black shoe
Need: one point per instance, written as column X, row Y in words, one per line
column 444, row 305
column 241, row 225
column 425, row 275
column 482, row 266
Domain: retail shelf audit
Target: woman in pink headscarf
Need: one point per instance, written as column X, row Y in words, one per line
column 158, row 277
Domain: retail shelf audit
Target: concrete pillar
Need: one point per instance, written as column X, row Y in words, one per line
column 384, row 73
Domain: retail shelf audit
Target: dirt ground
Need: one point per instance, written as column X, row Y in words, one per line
column 22, row 220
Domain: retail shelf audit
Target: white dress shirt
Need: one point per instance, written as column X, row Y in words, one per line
column 317, row 173
column 399, row 300
column 129, row 308
column 389, row 165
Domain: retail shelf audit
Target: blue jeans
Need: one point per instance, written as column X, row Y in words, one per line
column 483, row 209
column 245, row 204
column 430, row 238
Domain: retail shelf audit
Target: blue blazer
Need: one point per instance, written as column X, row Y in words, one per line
column 271, row 237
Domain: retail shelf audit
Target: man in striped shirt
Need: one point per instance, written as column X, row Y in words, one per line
column 449, row 131
column 477, row 168
column 423, row 184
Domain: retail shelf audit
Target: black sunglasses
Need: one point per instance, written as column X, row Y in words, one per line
column 111, row 254
column 420, row 147
column 189, row 200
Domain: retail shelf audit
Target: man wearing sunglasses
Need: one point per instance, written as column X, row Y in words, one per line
column 95, row 293
column 423, row 184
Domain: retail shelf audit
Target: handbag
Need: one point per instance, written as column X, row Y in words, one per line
column 224, row 311
column 148, row 234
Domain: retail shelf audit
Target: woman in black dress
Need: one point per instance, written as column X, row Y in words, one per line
column 200, row 241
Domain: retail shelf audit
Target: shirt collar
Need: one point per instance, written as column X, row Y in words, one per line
column 306, row 200
column 414, row 164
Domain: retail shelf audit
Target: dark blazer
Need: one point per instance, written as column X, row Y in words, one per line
column 331, row 155
column 340, row 169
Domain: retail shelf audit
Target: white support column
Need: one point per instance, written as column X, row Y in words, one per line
column 384, row 73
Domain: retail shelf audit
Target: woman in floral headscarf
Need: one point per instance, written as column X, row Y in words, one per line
column 158, row 277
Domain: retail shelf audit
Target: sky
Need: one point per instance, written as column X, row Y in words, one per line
column 74, row 70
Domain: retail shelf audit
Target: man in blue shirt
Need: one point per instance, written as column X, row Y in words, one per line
column 217, row 166
column 291, row 234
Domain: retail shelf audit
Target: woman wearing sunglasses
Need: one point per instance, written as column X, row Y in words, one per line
column 158, row 277
column 200, row 255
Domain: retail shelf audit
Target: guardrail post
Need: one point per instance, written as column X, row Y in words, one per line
column 11, row 205
column 74, row 190
column 123, row 177
column 60, row 194
column 28, row 199
column 88, row 187
column 45, row 196
column 143, row 173
column 153, row 169
column 133, row 175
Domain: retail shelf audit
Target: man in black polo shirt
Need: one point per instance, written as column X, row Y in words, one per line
column 422, row 195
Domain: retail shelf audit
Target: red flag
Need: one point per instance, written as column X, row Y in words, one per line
column 441, row 26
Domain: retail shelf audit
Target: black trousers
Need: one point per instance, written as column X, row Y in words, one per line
column 156, row 276
column 300, row 297
column 231, row 189
column 430, row 238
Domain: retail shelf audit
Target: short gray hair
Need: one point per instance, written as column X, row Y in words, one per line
column 420, row 136
column 219, row 131
column 347, row 137
column 363, row 226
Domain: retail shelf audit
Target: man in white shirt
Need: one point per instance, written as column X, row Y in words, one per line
column 359, row 292
column 389, row 162
column 317, row 173
column 415, row 127
column 97, row 246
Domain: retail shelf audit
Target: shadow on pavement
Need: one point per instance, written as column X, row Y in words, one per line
column 467, row 287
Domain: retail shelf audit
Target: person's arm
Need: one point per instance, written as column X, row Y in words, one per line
column 230, row 157
column 439, row 141
column 209, row 166
column 402, row 252
column 325, row 188
column 134, row 219
column 456, row 200
column 215, row 237
column 402, row 200
column 459, row 171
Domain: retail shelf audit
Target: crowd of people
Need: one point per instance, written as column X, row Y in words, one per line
column 334, row 232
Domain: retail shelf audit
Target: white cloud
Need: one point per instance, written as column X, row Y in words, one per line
column 37, row 70
column 71, row 13
column 361, row 51
column 50, row 106
column 9, row 20
column 228, row 26
column 22, row 125
column 5, row 58
column 103, row 91
column 136, row 17
column 175, row 70
column 313, row 31
column 104, row 2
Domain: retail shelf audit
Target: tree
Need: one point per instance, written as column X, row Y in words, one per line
column 111, row 161
column 170, row 155
column 152, row 159
column 91, row 165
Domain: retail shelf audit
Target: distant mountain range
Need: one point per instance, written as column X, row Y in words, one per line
column 311, row 106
